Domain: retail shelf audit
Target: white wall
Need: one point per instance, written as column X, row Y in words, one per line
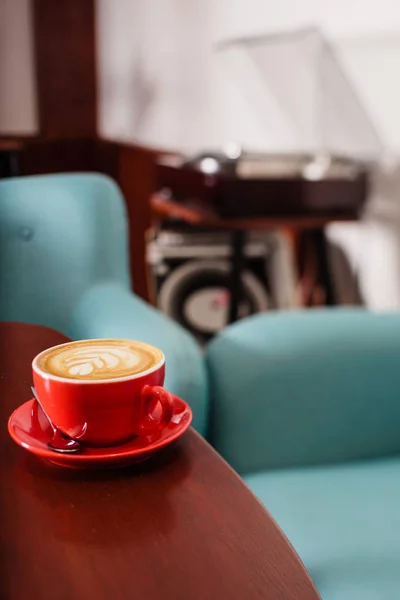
column 153, row 77
column 373, row 61
column 341, row 17
column 159, row 79
column 18, row 113
column 162, row 83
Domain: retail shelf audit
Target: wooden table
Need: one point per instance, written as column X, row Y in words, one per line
column 308, row 238
column 180, row 527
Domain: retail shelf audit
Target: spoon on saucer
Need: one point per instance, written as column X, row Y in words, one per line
column 59, row 442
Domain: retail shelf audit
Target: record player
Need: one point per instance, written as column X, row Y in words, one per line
column 259, row 185
column 327, row 141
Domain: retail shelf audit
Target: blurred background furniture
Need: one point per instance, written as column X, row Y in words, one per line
column 306, row 233
column 190, row 268
column 305, row 407
column 328, row 145
column 64, row 264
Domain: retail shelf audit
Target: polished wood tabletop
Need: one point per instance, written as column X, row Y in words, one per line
column 182, row 526
column 200, row 215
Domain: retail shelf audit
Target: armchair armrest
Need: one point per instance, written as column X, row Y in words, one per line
column 306, row 387
column 109, row 310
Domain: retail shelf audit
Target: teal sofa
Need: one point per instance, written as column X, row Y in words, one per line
column 304, row 405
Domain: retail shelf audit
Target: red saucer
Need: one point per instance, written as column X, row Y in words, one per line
column 29, row 428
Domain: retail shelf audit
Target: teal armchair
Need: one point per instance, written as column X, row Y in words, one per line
column 64, row 264
column 306, row 406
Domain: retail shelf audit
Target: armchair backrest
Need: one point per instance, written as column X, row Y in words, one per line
column 306, row 387
column 59, row 234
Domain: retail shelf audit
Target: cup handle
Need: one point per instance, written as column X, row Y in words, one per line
column 151, row 395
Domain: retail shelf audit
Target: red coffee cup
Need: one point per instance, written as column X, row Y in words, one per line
column 105, row 412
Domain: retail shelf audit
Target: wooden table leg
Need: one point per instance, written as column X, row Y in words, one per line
column 324, row 272
column 237, row 264
column 315, row 278
column 9, row 164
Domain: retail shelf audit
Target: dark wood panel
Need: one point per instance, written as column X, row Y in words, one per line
column 56, row 156
column 133, row 167
column 64, row 39
column 137, row 180
column 183, row 526
column 204, row 216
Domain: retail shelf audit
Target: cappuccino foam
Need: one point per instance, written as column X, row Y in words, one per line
column 99, row 359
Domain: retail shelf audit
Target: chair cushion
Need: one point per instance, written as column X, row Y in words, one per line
column 344, row 522
column 306, row 387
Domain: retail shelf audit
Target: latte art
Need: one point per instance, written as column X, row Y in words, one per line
column 99, row 359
